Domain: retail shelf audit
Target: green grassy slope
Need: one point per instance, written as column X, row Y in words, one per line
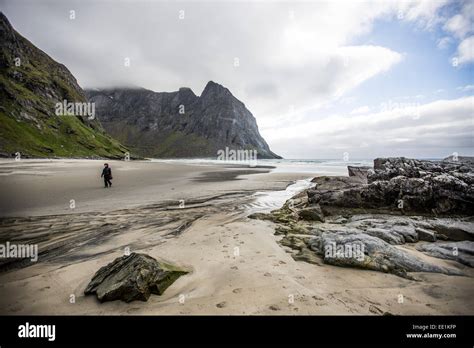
column 31, row 83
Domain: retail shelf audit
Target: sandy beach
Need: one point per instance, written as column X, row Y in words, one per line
column 196, row 217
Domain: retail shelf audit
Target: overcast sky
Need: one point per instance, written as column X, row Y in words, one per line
column 379, row 78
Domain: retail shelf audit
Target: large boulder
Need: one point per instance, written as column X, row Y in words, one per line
column 133, row 277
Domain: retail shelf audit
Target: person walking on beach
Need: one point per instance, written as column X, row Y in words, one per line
column 107, row 175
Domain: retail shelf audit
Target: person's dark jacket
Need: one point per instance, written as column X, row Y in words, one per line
column 107, row 173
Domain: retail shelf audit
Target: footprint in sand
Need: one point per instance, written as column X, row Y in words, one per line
column 375, row 309
column 267, row 274
column 221, row 304
column 234, row 268
column 274, row 308
column 237, row 290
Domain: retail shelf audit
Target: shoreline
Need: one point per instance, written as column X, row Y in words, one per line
column 236, row 264
column 35, row 188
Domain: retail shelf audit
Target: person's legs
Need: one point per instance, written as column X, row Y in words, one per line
column 105, row 182
column 110, row 182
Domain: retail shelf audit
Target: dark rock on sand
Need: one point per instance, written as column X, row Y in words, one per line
column 133, row 277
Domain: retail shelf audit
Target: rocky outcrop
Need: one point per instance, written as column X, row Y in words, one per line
column 345, row 221
column 410, row 186
column 462, row 252
column 179, row 124
column 133, row 277
column 31, row 86
column 369, row 252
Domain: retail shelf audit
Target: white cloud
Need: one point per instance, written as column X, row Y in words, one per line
column 466, row 88
column 444, row 42
column 458, row 25
column 361, row 110
column 423, row 12
column 296, row 59
column 466, row 51
column 461, row 24
column 306, row 61
column 423, row 130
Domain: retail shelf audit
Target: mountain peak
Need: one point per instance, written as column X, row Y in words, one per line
column 181, row 124
column 4, row 20
column 186, row 91
column 215, row 90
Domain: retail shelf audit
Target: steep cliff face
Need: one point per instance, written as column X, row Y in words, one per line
column 31, row 86
column 179, row 124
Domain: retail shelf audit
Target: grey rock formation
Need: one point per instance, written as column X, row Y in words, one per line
column 341, row 213
column 312, row 213
column 133, row 277
column 462, row 252
column 179, row 124
column 372, row 253
column 410, row 186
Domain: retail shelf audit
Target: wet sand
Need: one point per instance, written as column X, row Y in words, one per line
column 43, row 187
column 236, row 264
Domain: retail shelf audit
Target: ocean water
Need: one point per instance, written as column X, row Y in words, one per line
column 266, row 201
column 310, row 166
